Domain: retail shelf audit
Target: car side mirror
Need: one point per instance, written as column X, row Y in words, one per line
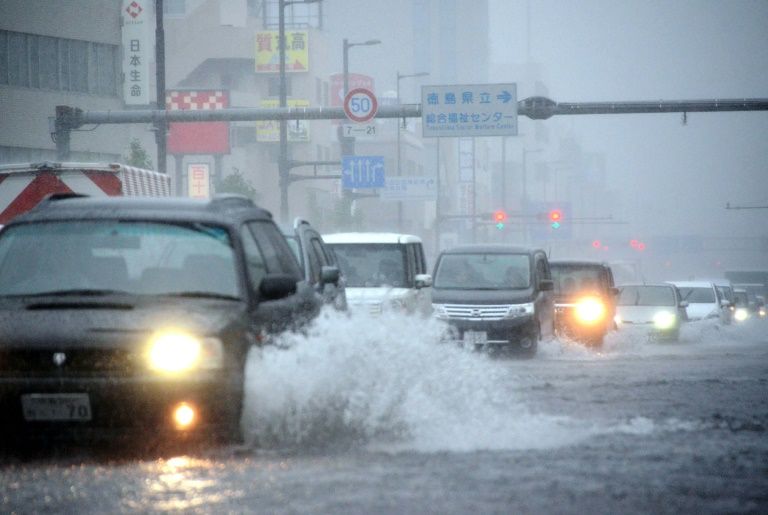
column 546, row 285
column 614, row 291
column 423, row 281
column 330, row 275
column 277, row 286
column 725, row 303
column 683, row 303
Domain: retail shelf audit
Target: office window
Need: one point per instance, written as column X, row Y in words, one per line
column 33, row 61
column 297, row 16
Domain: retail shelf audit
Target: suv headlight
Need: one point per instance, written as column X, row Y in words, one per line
column 175, row 352
column 440, row 311
column 520, row 310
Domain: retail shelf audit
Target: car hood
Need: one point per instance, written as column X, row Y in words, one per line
column 455, row 296
column 373, row 295
column 94, row 324
column 641, row 314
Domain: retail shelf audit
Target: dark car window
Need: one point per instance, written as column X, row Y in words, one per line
column 372, row 264
column 697, row 295
column 254, row 260
column 494, row 271
column 573, row 279
column 647, row 296
column 145, row 258
column 315, row 255
column 277, row 254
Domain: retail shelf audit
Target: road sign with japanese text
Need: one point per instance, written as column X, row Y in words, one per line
column 409, row 188
column 358, row 172
column 469, row 110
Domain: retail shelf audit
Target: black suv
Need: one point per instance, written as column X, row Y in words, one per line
column 494, row 296
column 127, row 313
column 318, row 263
column 585, row 300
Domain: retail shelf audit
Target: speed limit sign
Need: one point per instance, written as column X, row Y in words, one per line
column 360, row 105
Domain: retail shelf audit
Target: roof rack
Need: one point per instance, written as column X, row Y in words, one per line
column 231, row 200
column 54, row 197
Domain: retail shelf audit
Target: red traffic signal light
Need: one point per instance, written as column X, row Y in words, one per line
column 555, row 215
column 597, row 244
column 499, row 216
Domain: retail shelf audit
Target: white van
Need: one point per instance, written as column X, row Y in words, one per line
column 382, row 271
column 703, row 299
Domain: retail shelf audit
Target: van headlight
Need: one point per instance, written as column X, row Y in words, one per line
column 664, row 320
column 174, row 352
column 520, row 310
column 740, row 314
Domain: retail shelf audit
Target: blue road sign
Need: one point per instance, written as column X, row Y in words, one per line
column 468, row 110
column 359, row 172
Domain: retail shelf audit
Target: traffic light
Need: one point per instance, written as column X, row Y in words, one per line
column 555, row 216
column 500, row 217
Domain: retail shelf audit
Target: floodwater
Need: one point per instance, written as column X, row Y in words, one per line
column 378, row 416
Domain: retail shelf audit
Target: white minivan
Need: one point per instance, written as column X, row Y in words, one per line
column 383, row 271
column 703, row 299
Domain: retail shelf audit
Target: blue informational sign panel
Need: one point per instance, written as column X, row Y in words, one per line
column 469, row 110
column 360, row 172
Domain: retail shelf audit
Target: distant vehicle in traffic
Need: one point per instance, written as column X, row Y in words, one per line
column 318, row 263
column 495, row 296
column 725, row 293
column 704, row 301
column 383, row 271
column 657, row 308
column 137, row 314
column 585, row 300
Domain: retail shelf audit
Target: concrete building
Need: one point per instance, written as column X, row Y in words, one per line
column 59, row 53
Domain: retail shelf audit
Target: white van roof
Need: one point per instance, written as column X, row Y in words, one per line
column 693, row 284
column 370, row 237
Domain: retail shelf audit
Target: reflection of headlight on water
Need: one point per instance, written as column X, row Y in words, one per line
column 175, row 351
column 740, row 314
column 664, row 320
column 590, row 310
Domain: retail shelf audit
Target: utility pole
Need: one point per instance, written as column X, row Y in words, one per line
column 160, row 125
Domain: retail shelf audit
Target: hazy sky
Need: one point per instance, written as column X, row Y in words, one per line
column 674, row 178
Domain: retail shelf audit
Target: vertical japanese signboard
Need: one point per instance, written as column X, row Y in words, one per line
column 268, row 51
column 137, row 48
column 199, row 180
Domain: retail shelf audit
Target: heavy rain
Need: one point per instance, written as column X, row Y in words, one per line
column 416, row 256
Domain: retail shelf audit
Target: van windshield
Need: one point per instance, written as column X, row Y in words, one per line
column 576, row 279
column 372, row 264
column 491, row 271
column 697, row 295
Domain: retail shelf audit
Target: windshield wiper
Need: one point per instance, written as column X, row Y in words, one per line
column 201, row 295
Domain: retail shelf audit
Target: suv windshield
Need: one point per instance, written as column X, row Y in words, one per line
column 701, row 295
column 573, row 279
column 483, row 271
column 371, row 264
column 646, row 296
column 144, row 258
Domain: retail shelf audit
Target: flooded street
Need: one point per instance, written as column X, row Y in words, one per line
column 387, row 423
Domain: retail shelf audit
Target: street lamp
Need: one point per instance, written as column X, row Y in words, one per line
column 399, row 169
column 282, row 160
column 347, row 46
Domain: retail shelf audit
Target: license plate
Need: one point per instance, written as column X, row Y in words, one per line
column 475, row 337
column 56, row 406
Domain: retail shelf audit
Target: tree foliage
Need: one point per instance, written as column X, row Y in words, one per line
column 138, row 156
column 236, row 183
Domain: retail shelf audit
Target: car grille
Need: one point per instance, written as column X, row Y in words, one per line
column 74, row 362
column 479, row 312
column 373, row 308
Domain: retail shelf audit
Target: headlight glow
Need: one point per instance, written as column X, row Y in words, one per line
column 175, row 351
column 740, row 314
column 664, row 320
column 617, row 319
column 520, row 310
column 761, row 312
column 590, row 310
